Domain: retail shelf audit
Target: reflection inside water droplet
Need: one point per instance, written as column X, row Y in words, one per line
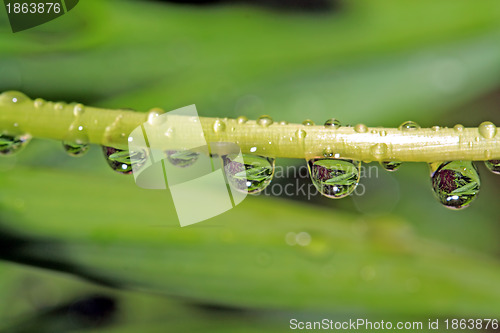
column 76, row 142
column 455, row 183
column 332, row 122
column 120, row 160
column 334, row 178
column 252, row 176
column 181, row 158
column 75, row 148
column 11, row 144
column 409, row 126
column 390, row 165
column 493, row 166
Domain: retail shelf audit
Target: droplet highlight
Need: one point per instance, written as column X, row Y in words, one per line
column 455, row 184
column 252, row 176
column 308, row 122
column 334, row 178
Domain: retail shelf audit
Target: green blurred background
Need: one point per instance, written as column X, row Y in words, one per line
column 84, row 249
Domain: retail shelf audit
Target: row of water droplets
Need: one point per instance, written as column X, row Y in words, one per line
column 455, row 183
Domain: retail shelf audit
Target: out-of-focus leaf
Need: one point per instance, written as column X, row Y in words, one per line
column 365, row 63
column 131, row 236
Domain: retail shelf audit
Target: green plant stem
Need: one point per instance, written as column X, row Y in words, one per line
column 112, row 127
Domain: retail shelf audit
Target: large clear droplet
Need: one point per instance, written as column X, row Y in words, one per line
column 252, row 176
column 121, row 160
column 455, row 183
column 390, row 165
column 11, row 144
column 181, row 158
column 493, row 166
column 334, row 178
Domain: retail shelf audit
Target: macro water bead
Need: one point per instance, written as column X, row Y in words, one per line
column 251, row 176
column 455, row 183
column 334, row 178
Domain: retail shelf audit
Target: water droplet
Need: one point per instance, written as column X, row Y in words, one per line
column 332, row 122
column 455, row 183
column 300, row 134
column 409, row 126
column 383, row 133
column 120, row 160
column 264, row 121
column 435, row 128
column 487, row 130
column 78, row 110
column 459, row 127
column 379, row 150
column 361, row 128
column 39, row 102
column 390, row 165
column 493, row 166
column 75, row 148
column 153, row 116
column 11, row 144
column 59, row 106
column 15, row 97
column 283, row 122
column 76, row 142
column 219, row 126
column 242, row 119
column 182, row 158
column 334, row 178
column 308, row 122
column 328, row 152
column 252, row 176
